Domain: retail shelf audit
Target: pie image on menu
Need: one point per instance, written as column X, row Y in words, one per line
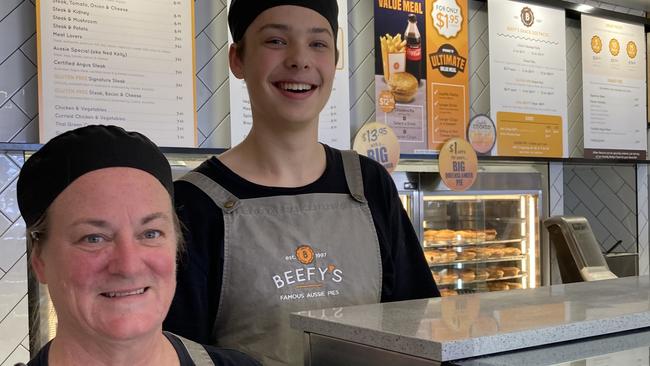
column 631, row 49
column 596, row 44
column 614, row 47
column 404, row 86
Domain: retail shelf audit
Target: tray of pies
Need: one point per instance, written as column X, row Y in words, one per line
column 445, row 236
column 485, row 254
column 451, row 276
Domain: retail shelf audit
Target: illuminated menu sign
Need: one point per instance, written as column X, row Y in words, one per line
column 614, row 87
column 117, row 62
column 528, row 89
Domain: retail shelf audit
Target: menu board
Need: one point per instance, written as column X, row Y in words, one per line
column 614, row 89
column 528, row 92
column 447, row 71
column 334, row 120
column 400, row 71
column 121, row 62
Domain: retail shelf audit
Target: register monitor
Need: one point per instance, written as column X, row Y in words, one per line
column 578, row 253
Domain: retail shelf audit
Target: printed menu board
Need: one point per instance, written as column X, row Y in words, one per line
column 614, row 87
column 528, row 92
column 334, row 120
column 400, row 70
column 421, row 83
column 447, row 71
column 121, row 62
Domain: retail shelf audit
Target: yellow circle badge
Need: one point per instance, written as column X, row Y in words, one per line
column 596, row 44
column 614, row 47
column 386, row 101
column 631, row 49
column 458, row 164
column 378, row 142
column 305, row 254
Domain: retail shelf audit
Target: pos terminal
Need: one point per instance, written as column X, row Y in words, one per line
column 578, row 254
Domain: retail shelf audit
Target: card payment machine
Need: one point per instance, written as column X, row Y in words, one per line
column 578, row 254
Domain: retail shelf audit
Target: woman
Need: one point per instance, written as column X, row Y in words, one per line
column 281, row 223
column 103, row 236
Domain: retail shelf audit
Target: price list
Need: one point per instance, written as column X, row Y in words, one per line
column 614, row 86
column 127, row 63
column 528, row 90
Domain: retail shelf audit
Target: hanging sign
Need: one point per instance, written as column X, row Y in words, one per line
column 458, row 164
column 378, row 142
column 447, row 70
column 126, row 63
column 528, row 89
column 613, row 90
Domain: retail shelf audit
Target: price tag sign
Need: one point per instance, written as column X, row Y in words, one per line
column 447, row 18
column 378, row 142
column 386, row 101
column 458, row 164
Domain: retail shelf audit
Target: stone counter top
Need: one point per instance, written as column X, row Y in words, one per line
column 459, row 327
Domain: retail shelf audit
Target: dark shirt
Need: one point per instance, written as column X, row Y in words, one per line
column 220, row 357
column 406, row 274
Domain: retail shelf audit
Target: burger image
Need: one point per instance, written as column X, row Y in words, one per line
column 404, row 86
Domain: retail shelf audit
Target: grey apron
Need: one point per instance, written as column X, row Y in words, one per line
column 196, row 351
column 291, row 253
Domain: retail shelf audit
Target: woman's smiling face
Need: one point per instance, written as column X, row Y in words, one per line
column 109, row 255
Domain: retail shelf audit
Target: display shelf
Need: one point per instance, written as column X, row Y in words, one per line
column 478, row 261
column 460, row 282
column 465, row 243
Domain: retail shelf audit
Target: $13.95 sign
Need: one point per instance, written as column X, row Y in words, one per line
column 447, row 17
column 378, row 142
column 458, row 164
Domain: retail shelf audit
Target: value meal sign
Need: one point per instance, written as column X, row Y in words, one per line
column 127, row 63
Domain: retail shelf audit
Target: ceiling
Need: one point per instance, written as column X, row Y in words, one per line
column 632, row 4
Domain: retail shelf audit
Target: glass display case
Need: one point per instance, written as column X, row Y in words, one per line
column 483, row 239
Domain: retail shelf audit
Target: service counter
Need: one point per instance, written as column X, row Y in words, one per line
column 546, row 324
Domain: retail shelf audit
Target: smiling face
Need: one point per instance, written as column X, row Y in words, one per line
column 288, row 64
column 108, row 257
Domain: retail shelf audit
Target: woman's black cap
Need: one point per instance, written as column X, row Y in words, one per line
column 243, row 12
column 74, row 153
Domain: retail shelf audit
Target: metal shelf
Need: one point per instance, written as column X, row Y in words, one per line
column 478, row 261
column 454, row 243
column 460, row 282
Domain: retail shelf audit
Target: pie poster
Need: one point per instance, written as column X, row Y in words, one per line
column 614, row 89
column 447, row 71
column 126, row 63
column 334, row 119
column 400, row 73
column 528, row 88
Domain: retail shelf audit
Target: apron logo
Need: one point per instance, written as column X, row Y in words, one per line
column 305, row 254
column 308, row 275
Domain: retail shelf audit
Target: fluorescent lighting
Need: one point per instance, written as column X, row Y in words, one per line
column 584, row 8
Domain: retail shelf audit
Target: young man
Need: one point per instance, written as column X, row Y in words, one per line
column 281, row 223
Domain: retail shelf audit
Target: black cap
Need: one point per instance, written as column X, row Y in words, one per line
column 243, row 12
column 74, row 153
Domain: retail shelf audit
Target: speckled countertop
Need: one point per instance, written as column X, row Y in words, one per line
column 459, row 327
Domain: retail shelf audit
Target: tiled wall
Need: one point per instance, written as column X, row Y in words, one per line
column 19, row 117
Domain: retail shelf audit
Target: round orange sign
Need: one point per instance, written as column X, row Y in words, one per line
column 458, row 164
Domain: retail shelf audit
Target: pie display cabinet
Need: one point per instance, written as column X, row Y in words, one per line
column 483, row 239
